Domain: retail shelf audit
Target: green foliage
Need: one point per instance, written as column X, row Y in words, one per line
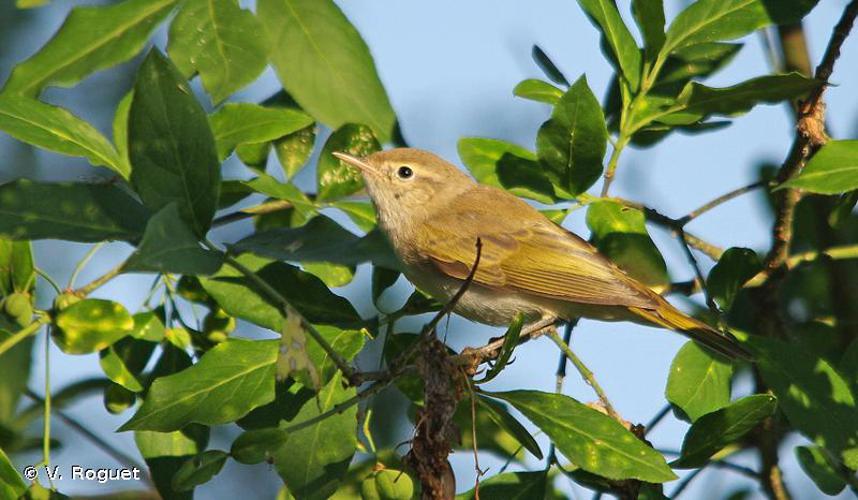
column 699, row 382
column 199, row 470
column 237, row 124
column 538, row 90
column 833, row 170
column 735, row 267
column 334, row 178
column 502, row 164
column 509, row 486
column 624, row 53
column 11, row 483
column 91, row 325
column 822, row 468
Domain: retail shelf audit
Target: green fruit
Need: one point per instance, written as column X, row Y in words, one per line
column 368, row 490
column 189, row 288
column 217, row 337
column 118, row 399
column 393, row 485
column 19, row 307
column 65, row 300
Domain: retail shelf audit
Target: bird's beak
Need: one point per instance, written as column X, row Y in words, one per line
column 356, row 162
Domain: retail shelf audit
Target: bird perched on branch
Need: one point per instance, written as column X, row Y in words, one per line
column 433, row 214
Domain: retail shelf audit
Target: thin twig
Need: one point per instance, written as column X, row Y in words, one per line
column 479, row 472
column 718, row 201
column 585, row 372
column 656, row 419
column 101, row 280
column 83, row 262
column 698, row 273
column 50, row 280
column 558, row 384
column 680, row 487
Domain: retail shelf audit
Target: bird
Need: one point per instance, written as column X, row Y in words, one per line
column 433, row 214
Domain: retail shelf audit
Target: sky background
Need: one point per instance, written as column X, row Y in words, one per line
column 449, row 68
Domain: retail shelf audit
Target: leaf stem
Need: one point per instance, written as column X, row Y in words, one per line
column 585, row 372
column 613, row 161
column 83, row 262
column 101, row 280
column 46, row 432
column 50, row 280
column 20, row 335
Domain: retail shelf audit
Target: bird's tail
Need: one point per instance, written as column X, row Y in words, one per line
column 672, row 318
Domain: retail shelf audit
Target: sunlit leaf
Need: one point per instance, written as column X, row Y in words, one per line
column 55, row 129
column 120, row 131
column 590, row 439
column 488, row 159
column 699, row 383
column 713, row 431
column 325, row 65
column 832, row 170
column 91, row 325
column 294, row 150
column 247, row 123
column 822, row 468
column 335, row 178
column 171, row 145
column 625, row 53
column 12, row 485
column 649, row 16
column 573, row 142
column 538, row 90
column 124, row 361
column 735, row 267
column 229, row 380
column 510, row 486
column 90, row 39
column 219, row 40
column 165, row 452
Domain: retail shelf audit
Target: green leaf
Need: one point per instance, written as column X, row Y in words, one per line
column 713, row 431
column 15, row 367
column 538, row 90
column 699, row 383
column 172, row 149
column 348, row 343
column 292, row 358
column 220, row 41
column 735, row 267
column 11, row 483
column 55, row 129
column 547, row 66
column 499, row 414
column 620, row 233
column 573, row 142
column 335, row 178
column 325, row 65
column 245, row 123
column 649, row 16
column 165, row 452
column 120, row 132
column 303, row 290
column 510, row 340
column 360, row 212
column 90, row 39
column 332, row 275
column 591, row 440
column 695, row 61
column 30, row 4
column 148, row 326
column 625, row 53
column 199, row 470
column 169, row 246
column 91, row 325
column 815, row 398
column 822, row 468
column 510, row 486
column 17, row 270
column 716, row 20
column 269, row 186
column 258, row 445
column 485, row 157
column 314, row 458
column 74, row 212
column 230, row 379
column 832, row 170
column 294, row 150
column 124, row 361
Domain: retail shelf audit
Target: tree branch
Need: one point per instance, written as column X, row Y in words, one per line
column 585, row 372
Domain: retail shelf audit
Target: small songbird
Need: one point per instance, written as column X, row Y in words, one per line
column 433, row 214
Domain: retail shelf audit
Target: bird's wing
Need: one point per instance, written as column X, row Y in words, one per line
column 525, row 251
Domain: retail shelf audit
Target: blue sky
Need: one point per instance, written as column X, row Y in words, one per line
column 449, row 68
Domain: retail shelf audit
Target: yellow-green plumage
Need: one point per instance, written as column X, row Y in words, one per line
column 528, row 264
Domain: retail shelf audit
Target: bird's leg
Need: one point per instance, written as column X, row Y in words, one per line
column 475, row 356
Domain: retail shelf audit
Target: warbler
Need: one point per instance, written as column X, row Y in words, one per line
column 433, row 213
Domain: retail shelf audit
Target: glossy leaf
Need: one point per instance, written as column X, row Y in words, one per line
column 247, row 123
column 699, row 383
column 314, row 458
column 815, row 398
column 269, row 186
column 335, row 178
column 220, row 41
column 147, row 326
column 171, row 145
column 124, row 361
column 55, row 129
column 15, row 365
column 572, row 143
column 294, row 150
column 12, row 485
column 649, row 16
column 120, row 131
column 820, row 467
column 832, row 170
column 91, row 325
column 625, row 53
column 165, row 452
column 713, row 431
column 303, row 290
column 620, row 233
column 735, row 267
column 498, row 414
column 590, row 439
column 347, row 342
column 90, row 39
column 360, row 212
column 538, row 90
column 169, row 246
column 258, row 445
column 17, row 269
column 487, row 158
column 325, row 65
column 199, row 469
column 510, row 340
column 717, row 20
column 696, row 61
column 230, row 379
column 510, row 486
column 74, row 212
column 292, row 358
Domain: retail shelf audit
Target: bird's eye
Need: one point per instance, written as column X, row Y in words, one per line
column 404, row 172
